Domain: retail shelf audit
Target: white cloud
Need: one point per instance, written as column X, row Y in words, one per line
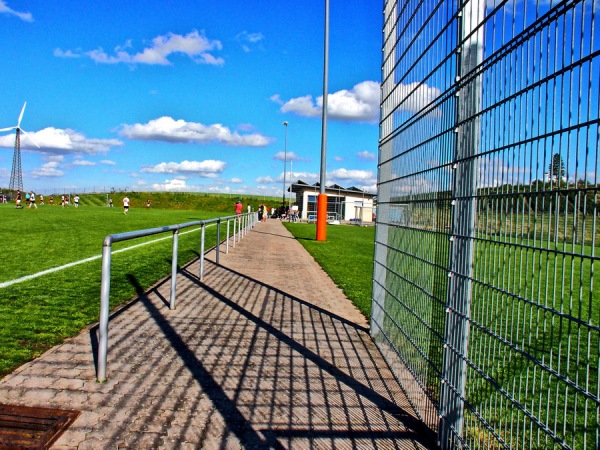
column 415, row 96
column 347, row 178
column 361, row 103
column 276, row 98
column 291, row 156
column 249, row 41
column 236, row 180
column 195, row 45
column 371, row 188
column 48, row 170
column 82, row 162
column 169, row 130
column 206, row 169
column 25, row 16
column 176, row 184
column 303, row 106
column 345, row 174
column 108, row 162
column 366, row 156
column 267, row 179
column 56, row 141
column 307, row 177
column 65, row 53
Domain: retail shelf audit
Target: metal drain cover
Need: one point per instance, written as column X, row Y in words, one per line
column 24, row 427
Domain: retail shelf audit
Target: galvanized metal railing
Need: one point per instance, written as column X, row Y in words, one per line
column 241, row 226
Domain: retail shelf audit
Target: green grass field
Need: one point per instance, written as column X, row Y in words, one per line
column 346, row 256
column 41, row 312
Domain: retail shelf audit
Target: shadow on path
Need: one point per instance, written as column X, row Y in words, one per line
column 279, row 371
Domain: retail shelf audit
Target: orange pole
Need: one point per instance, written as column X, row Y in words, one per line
column 322, row 217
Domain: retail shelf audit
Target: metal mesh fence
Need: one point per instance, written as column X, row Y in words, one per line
column 485, row 300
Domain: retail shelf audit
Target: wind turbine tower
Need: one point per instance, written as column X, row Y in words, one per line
column 16, row 174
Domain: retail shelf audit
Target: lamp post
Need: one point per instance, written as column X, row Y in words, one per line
column 291, row 183
column 285, row 124
column 322, row 198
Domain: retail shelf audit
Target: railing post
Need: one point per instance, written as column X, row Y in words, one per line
column 104, row 310
column 218, row 240
column 227, row 240
column 202, row 252
column 174, row 269
column 235, row 223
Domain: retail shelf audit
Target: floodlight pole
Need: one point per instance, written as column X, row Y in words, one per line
column 285, row 124
column 322, row 198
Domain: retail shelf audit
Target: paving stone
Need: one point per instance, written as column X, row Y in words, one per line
column 265, row 352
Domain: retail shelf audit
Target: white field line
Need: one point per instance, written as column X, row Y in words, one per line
column 86, row 260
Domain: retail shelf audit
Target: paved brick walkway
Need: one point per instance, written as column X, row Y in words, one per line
column 265, row 352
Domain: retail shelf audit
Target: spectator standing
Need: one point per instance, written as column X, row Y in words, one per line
column 51, row 201
column 238, row 209
column 261, row 212
column 42, row 199
column 110, row 204
column 148, row 203
column 76, row 201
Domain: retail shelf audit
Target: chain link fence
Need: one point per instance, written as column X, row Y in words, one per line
column 485, row 300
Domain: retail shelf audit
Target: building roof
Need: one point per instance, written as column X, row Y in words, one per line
column 301, row 186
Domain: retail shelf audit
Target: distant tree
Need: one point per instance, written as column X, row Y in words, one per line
column 556, row 169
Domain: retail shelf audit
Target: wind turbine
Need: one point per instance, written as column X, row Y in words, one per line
column 16, row 174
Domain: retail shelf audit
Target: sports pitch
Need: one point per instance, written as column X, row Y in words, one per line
column 38, row 313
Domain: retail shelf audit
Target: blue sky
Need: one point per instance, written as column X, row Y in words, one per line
column 188, row 95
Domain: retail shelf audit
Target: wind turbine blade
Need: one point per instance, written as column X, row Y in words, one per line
column 32, row 139
column 7, row 129
column 21, row 115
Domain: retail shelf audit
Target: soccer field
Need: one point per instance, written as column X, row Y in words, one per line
column 40, row 312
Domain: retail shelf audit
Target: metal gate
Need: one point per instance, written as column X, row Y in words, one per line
column 485, row 300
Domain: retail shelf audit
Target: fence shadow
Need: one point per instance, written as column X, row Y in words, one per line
column 242, row 363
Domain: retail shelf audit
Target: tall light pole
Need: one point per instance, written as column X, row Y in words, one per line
column 322, row 198
column 285, row 124
column 291, row 183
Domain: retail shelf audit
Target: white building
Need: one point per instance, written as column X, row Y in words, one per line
column 344, row 204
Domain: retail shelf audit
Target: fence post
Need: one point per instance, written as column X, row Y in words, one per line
column 174, row 269
column 104, row 310
column 202, row 252
column 464, row 210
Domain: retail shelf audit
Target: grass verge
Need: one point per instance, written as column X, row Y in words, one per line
column 346, row 256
